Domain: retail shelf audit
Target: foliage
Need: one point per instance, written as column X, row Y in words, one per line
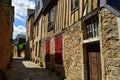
column 21, row 46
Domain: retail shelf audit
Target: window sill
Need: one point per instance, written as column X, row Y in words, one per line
column 90, row 40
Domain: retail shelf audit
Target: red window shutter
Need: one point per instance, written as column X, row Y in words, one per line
column 46, row 47
column 60, row 42
column 49, row 46
column 58, row 50
column 47, row 56
column 56, row 44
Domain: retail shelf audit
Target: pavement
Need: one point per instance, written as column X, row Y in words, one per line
column 27, row 70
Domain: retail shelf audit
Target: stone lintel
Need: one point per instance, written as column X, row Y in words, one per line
column 91, row 40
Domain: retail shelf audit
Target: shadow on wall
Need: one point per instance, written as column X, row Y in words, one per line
column 21, row 53
column 54, row 62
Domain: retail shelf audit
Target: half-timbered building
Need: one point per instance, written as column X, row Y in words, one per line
column 81, row 38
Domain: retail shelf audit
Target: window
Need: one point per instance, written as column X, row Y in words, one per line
column 74, row 4
column 51, row 19
column 92, row 27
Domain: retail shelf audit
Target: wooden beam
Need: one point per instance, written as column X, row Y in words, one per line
column 89, row 5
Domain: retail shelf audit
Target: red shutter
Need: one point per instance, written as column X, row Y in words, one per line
column 58, row 50
column 60, row 42
column 47, row 56
column 56, row 44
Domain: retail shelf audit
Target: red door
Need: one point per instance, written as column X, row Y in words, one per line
column 58, row 50
column 47, row 56
column 94, row 62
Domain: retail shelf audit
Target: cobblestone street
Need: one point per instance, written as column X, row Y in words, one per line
column 27, row 70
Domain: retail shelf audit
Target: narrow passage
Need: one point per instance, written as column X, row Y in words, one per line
column 27, row 70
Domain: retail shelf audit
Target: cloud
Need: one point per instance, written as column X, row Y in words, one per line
column 19, row 17
column 21, row 6
column 20, row 29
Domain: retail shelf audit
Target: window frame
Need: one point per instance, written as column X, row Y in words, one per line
column 51, row 25
column 91, row 27
column 75, row 7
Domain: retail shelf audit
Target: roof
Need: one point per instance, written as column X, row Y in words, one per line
column 112, row 5
column 113, row 10
column 29, row 13
column 20, row 36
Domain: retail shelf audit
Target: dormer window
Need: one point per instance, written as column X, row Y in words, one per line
column 74, row 5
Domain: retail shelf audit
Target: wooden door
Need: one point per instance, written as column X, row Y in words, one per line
column 94, row 62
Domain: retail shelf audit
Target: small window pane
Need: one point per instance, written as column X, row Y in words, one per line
column 74, row 4
column 92, row 27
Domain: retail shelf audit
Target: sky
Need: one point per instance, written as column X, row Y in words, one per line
column 20, row 8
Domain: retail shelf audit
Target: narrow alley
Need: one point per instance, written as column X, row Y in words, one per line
column 60, row 40
column 27, row 70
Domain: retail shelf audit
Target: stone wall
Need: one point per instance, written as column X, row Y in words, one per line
column 15, row 53
column 110, row 45
column 42, row 54
column 52, row 51
column 72, row 52
column 5, row 37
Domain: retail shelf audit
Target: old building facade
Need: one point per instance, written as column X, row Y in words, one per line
column 80, row 38
column 6, row 29
column 19, row 40
column 29, row 33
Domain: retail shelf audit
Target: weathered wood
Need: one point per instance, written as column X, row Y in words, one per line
column 89, row 5
column 64, row 14
column 95, row 4
column 67, row 7
column 76, row 16
column 81, row 2
column 94, row 62
column 64, row 17
column 69, row 13
column 63, row 10
column 72, row 18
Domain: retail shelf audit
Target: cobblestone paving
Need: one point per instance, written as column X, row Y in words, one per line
column 27, row 70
